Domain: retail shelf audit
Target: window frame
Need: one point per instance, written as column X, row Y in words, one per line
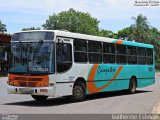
column 149, row 57
column 84, row 52
column 139, row 56
column 68, row 62
column 108, row 53
column 99, row 53
column 121, row 54
column 132, row 55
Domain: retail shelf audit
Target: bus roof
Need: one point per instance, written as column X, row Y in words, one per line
column 63, row 33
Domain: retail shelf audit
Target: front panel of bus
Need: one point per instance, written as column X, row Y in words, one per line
column 32, row 64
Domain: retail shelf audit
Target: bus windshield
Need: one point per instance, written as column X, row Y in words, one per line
column 32, row 57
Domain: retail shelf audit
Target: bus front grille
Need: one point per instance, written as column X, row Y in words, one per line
column 27, row 84
column 28, row 81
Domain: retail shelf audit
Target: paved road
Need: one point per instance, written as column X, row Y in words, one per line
column 113, row 102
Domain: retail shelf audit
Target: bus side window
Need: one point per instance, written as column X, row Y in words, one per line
column 141, row 55
column 63, row 56
column 132, row 54
column 108, row 53
column 121, row 57
column 80, row 51
column 149, row 56
column 95, row 52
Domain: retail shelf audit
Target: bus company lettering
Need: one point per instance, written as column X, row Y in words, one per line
column 106, row 70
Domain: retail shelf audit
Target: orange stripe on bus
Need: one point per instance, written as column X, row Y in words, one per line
column 91, row 85
column 93, row 72
column 119, row 41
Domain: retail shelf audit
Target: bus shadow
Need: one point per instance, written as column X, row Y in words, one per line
column 113, row 94
column 63, row 100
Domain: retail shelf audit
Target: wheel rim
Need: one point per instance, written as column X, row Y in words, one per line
column 78, row 91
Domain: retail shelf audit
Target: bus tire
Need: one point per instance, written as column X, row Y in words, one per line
column 132, row 86
column 78, row 92
column 39, row 97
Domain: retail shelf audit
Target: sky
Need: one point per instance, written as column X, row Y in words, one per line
column 113, row 15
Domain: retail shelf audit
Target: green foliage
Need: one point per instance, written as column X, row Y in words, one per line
column 126, row 32
column 2, row 27
column 73, row 21
column 158, row 63
column 141, row 31
column 105, row 33
column 154, row 38
column 140, row 28
column 81, row 22
column 30, row 28
column 115, row 35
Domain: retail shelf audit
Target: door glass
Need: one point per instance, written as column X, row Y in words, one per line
column 64, row 56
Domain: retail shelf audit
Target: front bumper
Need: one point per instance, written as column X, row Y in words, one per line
column 46, row 91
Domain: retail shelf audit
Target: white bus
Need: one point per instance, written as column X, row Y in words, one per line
column 58, row 63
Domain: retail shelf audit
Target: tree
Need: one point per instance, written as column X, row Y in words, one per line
column 125, row 32
column 141, row 31
column 73, row 21
column 107, row 33
column 2, row 27
column 140, row 28
column 30, row 28
column 155, row 40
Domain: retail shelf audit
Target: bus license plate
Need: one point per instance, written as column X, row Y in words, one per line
column 25, row 91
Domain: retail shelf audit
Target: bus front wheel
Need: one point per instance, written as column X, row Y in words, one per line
column 79, row 92
column 39, row 97
column 132, row 86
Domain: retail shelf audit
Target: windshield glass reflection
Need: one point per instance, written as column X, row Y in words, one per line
column 32, row 57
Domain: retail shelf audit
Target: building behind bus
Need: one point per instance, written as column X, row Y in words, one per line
column 4, row 47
